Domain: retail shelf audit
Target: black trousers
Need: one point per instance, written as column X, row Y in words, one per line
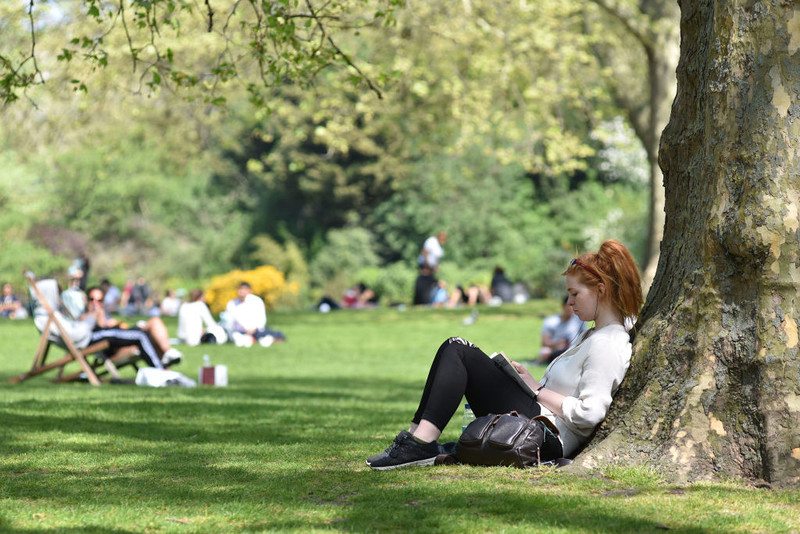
column 460, row 369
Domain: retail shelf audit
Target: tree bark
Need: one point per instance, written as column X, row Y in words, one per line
column 714, row 384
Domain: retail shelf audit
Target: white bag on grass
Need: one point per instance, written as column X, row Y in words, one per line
column 151, row 376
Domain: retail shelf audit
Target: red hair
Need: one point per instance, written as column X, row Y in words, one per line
column 612, row 266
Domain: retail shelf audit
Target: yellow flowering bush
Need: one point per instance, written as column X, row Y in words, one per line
column 266, row 281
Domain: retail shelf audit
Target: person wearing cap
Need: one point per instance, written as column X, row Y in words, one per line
column 73, row 297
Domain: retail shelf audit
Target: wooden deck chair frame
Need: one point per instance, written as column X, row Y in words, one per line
column 106, row 365
column 89, row 371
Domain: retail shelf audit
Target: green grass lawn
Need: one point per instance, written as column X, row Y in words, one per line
column 282, row 448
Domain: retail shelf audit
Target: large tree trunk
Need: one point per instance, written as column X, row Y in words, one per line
column 714, row 385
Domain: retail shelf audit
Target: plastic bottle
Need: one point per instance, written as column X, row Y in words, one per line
column 206, row 361
column 468, row 417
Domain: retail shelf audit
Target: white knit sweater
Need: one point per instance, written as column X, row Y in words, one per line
column 588, row 374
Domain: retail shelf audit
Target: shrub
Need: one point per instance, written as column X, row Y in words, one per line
column 286, row 258
column 345, row 251
column 266, row 281
column 393, row 283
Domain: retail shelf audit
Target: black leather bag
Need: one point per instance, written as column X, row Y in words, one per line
column 509, row 439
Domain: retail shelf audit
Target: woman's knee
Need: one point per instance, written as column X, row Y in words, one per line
column 458, row 342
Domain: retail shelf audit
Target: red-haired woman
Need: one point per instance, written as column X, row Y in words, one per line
column 576, row 389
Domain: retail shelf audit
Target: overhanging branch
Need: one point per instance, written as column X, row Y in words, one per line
column 632, row 19
column 341, row 54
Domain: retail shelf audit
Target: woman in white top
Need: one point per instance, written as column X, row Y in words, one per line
column 194, row 319
column 575, row 391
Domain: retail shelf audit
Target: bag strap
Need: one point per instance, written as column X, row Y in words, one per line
column 548, row 423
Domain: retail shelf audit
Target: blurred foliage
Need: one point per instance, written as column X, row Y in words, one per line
column 266, row 282
column 286, row 42
column 507, row 138
column 336, row 264
column 393, row 283
column 288, row 259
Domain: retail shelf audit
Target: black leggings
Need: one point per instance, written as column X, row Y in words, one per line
column 460, row 369
column 125, row 337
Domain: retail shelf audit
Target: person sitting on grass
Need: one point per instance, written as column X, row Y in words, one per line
column 470, row 295
column 196, row 324
column 576, row 389
column 10, row 305
column 359, row 296
column 248, row 320
column 559, row 331
column 151, row 337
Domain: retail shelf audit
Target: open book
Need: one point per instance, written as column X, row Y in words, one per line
column 502, row 361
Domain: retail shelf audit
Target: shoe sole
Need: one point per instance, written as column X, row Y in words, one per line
column 420, row 463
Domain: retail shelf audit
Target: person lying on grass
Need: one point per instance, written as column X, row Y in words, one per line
column 576, row 389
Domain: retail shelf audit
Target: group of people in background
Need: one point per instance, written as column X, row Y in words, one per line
column 430, row 290
column 101, row 313
column 244, row 321
column 136, row 298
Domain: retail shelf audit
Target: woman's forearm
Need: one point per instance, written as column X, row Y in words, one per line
column 551, row 400
column 547, row 398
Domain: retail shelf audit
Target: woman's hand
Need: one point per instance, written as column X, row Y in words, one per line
column 525, row 375
column 547, row 398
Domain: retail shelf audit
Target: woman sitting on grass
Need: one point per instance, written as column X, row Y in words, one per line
column 576, row 389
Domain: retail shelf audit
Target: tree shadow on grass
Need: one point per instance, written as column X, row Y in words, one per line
column 83, row 529
column 275, row 411
column 5, row 528
column 268, row 444
column 356, row 499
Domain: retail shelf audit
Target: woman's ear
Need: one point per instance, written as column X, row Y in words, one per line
column 601, row 289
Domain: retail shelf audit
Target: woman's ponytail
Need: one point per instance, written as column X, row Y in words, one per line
column 626, row 284
column 614, row 267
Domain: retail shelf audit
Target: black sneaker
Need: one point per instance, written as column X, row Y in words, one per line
column 405, row 451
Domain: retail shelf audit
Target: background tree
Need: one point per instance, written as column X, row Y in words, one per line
column 504, row 135
column 642, row 56
column 715, row 379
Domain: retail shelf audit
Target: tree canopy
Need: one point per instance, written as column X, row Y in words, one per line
column 190, row 132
